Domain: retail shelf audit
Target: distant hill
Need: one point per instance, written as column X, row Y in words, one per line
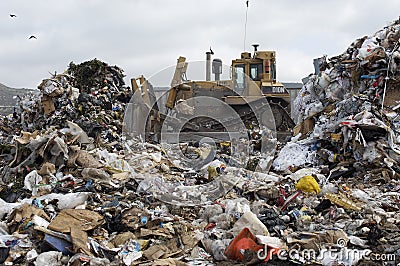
column 7, row 102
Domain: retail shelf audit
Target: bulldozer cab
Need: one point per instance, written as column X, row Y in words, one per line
column 261, row 69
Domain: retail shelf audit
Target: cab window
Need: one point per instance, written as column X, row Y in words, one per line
column 239, row 78
column 256, row 71
column 273, row 72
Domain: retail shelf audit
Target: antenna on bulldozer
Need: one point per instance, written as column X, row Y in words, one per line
column 245, row 26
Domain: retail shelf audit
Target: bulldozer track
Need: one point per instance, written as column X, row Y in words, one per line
column 249, row 117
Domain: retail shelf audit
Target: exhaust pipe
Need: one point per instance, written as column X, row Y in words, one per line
column 208, row 66
column 217, row 68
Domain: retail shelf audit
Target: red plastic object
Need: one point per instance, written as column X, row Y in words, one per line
column 282, row 197
column 289, row 199
column 210, row 226
column 245, row 240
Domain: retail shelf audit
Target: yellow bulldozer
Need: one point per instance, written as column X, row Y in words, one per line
column 252, row 97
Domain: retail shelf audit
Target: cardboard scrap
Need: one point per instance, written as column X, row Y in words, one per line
column 304, row 127
column 163, row 232
column 169, row 262
column 86, row 160
column 47, row 169
column 80, row 241
column 27, row 137
column 26, row 211
column 71, row 218
column 122, row 238
column 76, row 222
column 189, row 240
column 315, row 240
column 156, row 251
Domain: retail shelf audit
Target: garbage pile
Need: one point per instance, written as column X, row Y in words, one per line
column 331, row 196
column 349, row 109
column 91, row 94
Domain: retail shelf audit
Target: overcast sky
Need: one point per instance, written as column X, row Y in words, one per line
column 145, row 36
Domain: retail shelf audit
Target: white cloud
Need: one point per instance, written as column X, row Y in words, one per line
column 143, row 37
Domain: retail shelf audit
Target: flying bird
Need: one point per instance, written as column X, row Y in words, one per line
column 13, row 15
column 32, row 37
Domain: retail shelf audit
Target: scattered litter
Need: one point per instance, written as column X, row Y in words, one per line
column 75, row 191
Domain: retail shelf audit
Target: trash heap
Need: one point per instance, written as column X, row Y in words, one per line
column 91, row 94
column 331, row 196
column 349, row 109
